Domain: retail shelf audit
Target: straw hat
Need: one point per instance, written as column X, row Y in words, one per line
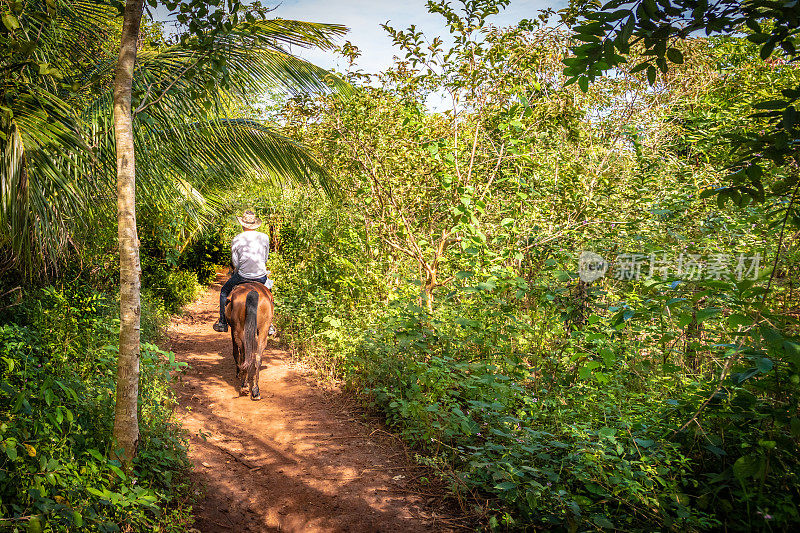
column 249, row 220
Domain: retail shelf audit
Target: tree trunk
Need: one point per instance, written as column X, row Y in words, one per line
column 430, row 285
column 126, row 420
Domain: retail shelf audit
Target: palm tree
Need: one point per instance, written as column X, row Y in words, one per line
column 57, row 147
column 58, row 152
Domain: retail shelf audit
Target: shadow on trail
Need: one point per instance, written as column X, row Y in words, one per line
column 294, row 461
column 266, row 494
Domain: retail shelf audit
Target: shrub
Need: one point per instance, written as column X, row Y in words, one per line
column 175, row 288
column 57, row 390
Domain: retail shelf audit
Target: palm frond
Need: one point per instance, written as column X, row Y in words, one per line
column 41, row 193
column 57, row 144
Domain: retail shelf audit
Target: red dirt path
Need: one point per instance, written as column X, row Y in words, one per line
column 299, row 459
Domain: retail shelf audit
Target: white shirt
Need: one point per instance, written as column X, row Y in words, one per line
column 249, row 253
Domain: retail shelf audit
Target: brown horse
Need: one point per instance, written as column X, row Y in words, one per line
column 249, row 313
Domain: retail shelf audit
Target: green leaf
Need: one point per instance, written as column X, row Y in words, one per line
column 466, row 322
column 99, row 493
column 716, row 450
column 10, row 22
column 506, row 222
column 651, row 74
column 767, row 444
column 11, row 450
column 625, row 35
column 772, row 336
column 118, row 471
column 736, row 321
column 766, row 49
column 97, row 455
column 745, row 467
column 764, row 364
column 753, row 25
column 758, row 38
column 608, row 357
column 506, row 485
column 607, row 432
column 603, row 522
column 795, row 425
column 650, row 8
column 486, row 285
column 586, row 370
column 722, row 196
column 705, row 314
column 675, row 55
column 792, row 350
column 48, row 396
column 617, row 15
column 583, row 83
column 34, row 524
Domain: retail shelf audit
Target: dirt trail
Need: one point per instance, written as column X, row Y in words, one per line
column 298, row 460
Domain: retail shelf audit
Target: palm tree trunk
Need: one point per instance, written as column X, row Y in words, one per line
column 126, row 420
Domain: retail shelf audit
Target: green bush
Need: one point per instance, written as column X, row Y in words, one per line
column 57, row 390
column 553, row 417
column 173, row 269
column 175, row 288
column 205, row 253
column 546, row 447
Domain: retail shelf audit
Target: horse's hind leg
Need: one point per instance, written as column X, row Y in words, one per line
column 238, row 359
column 235, row 353
column 255, row 393
column 244, row 388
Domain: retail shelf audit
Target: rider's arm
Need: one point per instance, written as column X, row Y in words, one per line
column 234, row 257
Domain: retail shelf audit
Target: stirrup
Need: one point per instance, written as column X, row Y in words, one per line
column 220, row 326
column 272, row 331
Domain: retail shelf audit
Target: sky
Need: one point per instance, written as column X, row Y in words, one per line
column 364, row 17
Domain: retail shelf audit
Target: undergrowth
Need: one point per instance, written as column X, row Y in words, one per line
column 58, row 361
column 549, row 410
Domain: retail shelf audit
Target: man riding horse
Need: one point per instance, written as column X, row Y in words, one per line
column 249, row 253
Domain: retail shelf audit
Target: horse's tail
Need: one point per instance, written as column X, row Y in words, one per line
column 250, row 328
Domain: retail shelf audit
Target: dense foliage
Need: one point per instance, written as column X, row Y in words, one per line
column 57, row 414
column 58, row 354
column 445, row 288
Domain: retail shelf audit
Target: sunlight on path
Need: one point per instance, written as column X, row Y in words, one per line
column 298, row 460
